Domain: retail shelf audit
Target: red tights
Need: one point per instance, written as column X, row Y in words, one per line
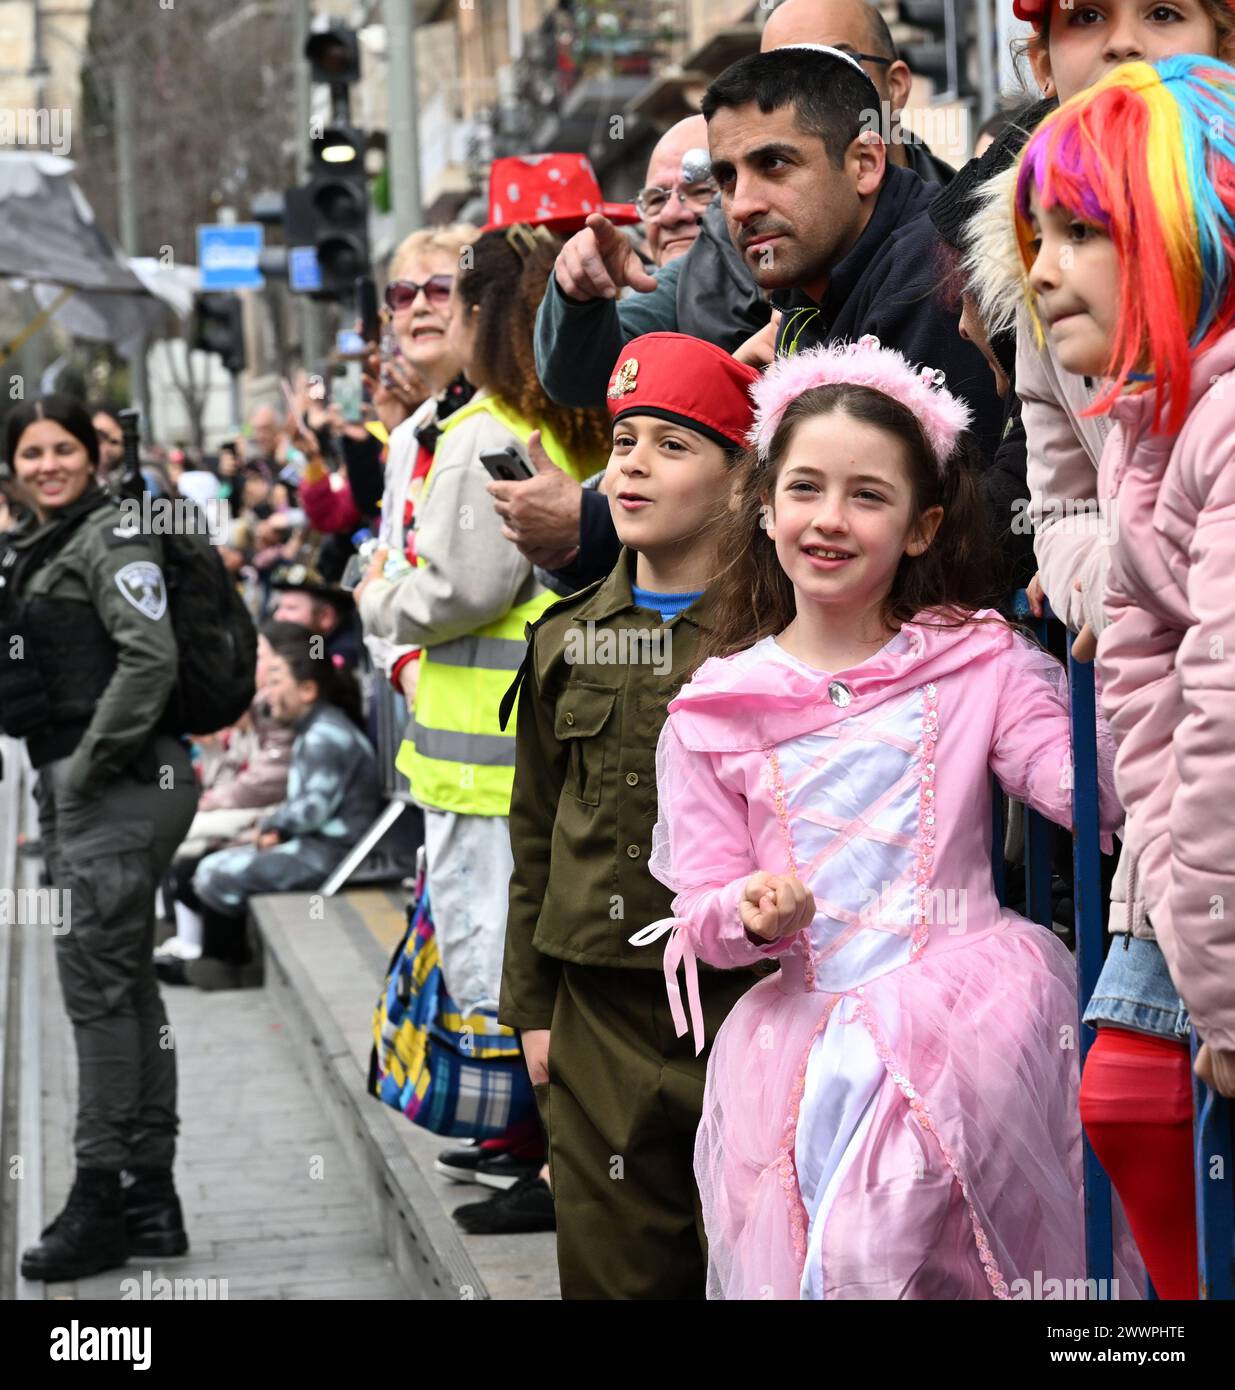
column 1136, row 1106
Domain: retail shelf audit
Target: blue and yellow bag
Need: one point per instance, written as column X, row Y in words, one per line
column 462, row 1077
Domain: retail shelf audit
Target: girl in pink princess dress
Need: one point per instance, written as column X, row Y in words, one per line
column 894, row 1113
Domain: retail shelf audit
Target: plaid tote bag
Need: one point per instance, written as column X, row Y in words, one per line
column 462, row 1077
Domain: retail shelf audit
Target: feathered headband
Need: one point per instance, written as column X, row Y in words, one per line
column 943, row 416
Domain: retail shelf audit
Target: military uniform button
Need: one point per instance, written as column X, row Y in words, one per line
column 570, row 718
column 633, row 851
column 632, row 779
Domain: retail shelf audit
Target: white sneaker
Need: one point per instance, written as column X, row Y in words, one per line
column 175, row 949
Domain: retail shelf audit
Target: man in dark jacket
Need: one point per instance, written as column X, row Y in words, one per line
column 836, row 236
column 710, row 293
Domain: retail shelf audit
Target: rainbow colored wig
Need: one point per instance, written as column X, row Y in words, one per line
column 1148, row 156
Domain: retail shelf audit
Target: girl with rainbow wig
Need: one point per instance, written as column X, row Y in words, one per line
column 1075, row 45
column 1125, row 216
column 1146, row 158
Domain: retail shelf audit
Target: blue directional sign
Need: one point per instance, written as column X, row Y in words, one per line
column 228, row 256
column 303, row 272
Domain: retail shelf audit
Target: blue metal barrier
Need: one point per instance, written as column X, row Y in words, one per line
column 1215, row 1199
column 1090, row 906
column 1215, row 1180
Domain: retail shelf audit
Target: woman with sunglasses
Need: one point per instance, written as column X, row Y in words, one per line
column 417, row 311
column 467, row 603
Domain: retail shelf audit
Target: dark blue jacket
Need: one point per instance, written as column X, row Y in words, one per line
column 889, row 285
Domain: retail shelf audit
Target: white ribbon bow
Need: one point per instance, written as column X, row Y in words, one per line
column 678, row 951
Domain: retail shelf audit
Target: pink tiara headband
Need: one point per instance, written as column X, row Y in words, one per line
column 942, row 415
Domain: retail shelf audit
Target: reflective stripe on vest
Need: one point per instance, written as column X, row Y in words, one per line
column 444, row 745
column 457, row 758
column 495, row 653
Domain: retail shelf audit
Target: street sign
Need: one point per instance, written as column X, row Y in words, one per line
column 228, row 256
column 303, row 272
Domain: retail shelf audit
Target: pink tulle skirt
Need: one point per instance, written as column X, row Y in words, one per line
column 963, row 1180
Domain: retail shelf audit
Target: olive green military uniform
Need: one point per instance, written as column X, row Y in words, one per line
column 86, row 685
column 624, row 1095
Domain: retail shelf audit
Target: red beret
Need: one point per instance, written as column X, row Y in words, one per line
column 1030, row 10
column 684, row 379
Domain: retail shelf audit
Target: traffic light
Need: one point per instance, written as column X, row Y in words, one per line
column 334, row 55
column 337, row 203
column 218, row 326
column 339, row 195
column 942, row 54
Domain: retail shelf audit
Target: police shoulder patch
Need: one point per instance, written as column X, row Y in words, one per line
column 141, row 583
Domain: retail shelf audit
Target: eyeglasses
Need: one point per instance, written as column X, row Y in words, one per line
column 870, row 58
column 651, row 202
column 401, row 294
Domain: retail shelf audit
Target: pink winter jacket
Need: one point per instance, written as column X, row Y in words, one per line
column 1169, row 687
column 1063, row 446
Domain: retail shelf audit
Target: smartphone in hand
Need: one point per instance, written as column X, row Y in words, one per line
column 366, row 309
column 349, row 391
column 506, row 465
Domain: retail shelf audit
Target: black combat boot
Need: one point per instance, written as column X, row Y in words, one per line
column 152, row 1216
column 88, row 1235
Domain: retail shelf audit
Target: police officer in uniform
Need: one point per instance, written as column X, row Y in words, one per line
column 87, row 663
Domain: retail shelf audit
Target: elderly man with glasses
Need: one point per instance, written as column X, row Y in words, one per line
column 678, row 191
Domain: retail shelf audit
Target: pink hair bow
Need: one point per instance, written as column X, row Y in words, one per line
column 678, row 951
column 942, row 415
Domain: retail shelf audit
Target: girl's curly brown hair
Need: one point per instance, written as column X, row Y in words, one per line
column 504, row 277
column 945, row 586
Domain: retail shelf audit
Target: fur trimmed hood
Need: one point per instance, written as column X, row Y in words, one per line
column 992, row 266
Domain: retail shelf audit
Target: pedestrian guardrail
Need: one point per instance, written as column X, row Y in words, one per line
column 387, row 720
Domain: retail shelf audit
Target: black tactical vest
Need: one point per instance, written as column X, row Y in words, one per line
column 56, row 658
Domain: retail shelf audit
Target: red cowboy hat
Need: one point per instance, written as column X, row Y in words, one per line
column 557, row 191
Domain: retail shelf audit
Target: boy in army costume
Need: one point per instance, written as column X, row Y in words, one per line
column 620, row 1093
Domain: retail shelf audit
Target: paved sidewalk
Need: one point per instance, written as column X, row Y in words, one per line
column 271, row 1203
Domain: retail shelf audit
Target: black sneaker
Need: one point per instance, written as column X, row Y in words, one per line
column 170, row 970
column 501, row 1169
column 87, row 1237
column 520, row 1210
column 459, row 1165
column 488, row 1166
column 153, row 1220
column 208, row 973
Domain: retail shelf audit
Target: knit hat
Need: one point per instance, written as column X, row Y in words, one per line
column 952, row 208
column 693, row 383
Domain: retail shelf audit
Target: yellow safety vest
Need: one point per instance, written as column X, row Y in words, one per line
column 458, row 758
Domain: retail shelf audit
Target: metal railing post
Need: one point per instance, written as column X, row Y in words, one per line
column 1215, row 1189
column 1090, row 939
